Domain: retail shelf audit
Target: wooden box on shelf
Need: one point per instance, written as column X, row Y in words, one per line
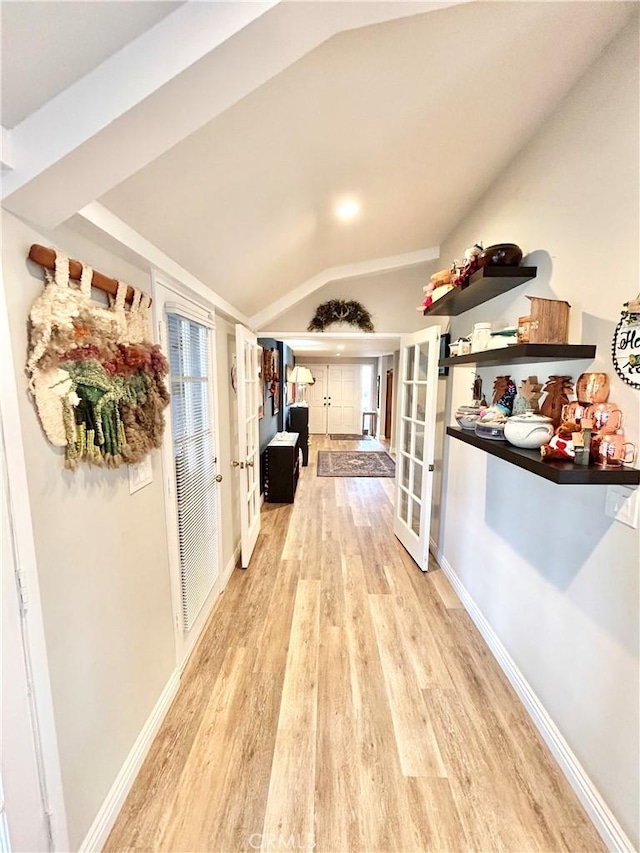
column 548, row 322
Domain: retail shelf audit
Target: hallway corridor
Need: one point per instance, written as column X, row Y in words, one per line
column 340, row 700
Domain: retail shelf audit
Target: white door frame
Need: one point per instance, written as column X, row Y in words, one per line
column 417, row 545
column 166, row 293
column 18, row 507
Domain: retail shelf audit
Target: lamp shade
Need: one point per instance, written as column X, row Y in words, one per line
column 301, row 376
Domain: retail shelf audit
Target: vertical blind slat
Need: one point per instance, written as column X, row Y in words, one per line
column 195, row 469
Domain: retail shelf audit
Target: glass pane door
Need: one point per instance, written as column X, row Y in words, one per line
column 248, row 397
column 416, row 441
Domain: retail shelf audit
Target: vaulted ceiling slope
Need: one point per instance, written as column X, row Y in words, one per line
column 234, row 165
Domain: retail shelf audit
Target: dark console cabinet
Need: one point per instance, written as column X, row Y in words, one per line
column 299, row 422
column 282, row 468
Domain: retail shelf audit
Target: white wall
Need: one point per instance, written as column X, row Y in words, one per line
column 554, row 577
column 102, row 562
column 102, row 558
column 391, row 298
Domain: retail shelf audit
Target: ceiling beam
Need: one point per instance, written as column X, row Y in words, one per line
column 123, row 81
column 6, row 149
column 162, row 87
column 355, row 270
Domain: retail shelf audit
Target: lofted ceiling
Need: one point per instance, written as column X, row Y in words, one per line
column 231, row 163
column 47, row 46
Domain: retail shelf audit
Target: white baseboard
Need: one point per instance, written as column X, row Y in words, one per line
column 228, row 569
column 601, row 815
column 106, row 817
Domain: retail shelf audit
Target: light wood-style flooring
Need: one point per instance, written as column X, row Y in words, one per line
column 340, row 700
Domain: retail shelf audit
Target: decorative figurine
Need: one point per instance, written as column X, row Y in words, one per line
column 476, row 391
column 504, row 393
column 528, row 396
column 558, row 388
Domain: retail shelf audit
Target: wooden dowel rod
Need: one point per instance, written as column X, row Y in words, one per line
column 45, row 257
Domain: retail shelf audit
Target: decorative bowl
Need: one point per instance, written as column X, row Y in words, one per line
column 529, row 430
column 490, row 429
column 467, row 416
column 501, row 255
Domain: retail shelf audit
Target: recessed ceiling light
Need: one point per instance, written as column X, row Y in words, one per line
column 340, row 346
column 338, row 354
column 347, row 209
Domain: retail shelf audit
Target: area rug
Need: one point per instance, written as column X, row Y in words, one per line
column 350, row 437
column 355, row 463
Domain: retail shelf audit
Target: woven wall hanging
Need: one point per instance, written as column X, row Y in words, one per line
column 97, row 380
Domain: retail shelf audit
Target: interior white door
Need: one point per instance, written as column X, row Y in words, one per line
column 190, row 453
column 415, row 441
column 344, row 399
column 248, row 389
column 23, row 816
column 316, row 396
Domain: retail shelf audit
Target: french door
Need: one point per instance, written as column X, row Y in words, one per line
column 415, row 441
column 248, row 394
column 190, row 461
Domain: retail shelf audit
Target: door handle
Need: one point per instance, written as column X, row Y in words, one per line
column 237, row 464
column 218, row 478
column 249, row 463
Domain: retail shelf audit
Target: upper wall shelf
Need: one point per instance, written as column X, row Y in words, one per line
column 523, row 354
column 484, row 284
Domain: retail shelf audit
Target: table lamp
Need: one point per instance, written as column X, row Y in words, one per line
column 302, row 377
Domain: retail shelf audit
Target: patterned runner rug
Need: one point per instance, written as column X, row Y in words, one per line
column 355, row 463
column 349, row 437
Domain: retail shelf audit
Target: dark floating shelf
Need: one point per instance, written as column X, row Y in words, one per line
column 563, row 473
column 522, row 354
column 484, row 284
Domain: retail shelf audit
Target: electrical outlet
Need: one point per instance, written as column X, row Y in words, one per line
column 622, row 504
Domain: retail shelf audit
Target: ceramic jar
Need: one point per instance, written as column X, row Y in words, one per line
column 481, row 337
column 529, row 431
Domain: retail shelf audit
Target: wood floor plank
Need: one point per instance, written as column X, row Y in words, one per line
column 337, row 773
column 341, row 700
column 417, row 746
column 444, row 589
column 300, row 690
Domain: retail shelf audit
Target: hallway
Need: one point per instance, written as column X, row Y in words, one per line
column 340, row 700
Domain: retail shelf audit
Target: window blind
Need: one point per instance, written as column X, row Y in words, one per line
column 195, row 463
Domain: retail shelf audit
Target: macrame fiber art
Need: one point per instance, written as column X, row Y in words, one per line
column 97, row 381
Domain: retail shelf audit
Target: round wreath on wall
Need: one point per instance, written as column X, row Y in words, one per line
column 625, row 347
column 341, row 311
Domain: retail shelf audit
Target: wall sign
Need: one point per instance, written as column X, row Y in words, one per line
column 625, row 347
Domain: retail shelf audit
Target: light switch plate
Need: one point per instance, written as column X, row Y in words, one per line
column 622, row 504
column 140, row 475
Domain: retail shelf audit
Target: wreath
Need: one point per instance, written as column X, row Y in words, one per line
column 625, row 347
column 341, row 311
